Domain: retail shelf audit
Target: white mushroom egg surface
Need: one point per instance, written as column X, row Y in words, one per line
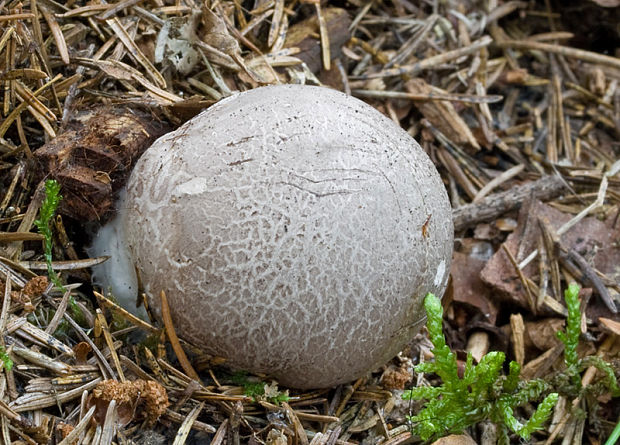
column 295, row 230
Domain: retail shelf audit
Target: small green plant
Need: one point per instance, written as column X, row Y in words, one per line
column 482, row 393
column 574, row 364
column 46, row 213
column 259, row 390
column 570, row 337
column 615, row 435
column 569, row 381
column 5, row 360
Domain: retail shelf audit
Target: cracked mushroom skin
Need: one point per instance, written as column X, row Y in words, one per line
column 295, row 230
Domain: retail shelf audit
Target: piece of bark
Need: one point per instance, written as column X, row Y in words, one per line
column 517, row 328
column 499, row 203
column 93, row 157
column 469, row 288
column 478, row 345
column 540, row 335
column 304, row 35
column 610, row 325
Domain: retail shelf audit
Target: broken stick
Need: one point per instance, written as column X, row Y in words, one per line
column 499, row 203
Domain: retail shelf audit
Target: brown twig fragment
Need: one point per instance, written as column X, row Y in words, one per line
column 497, row 204
column 325, row 52
column 587, row 56
column 174, row 340
column 431, row 62
column 578, row 266
column 110, row 343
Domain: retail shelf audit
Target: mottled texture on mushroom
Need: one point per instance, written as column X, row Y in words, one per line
column 287, row 226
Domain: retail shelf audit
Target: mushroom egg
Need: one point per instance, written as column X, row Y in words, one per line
column 295, row 230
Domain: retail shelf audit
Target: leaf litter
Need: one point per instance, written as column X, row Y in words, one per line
column 519, row 114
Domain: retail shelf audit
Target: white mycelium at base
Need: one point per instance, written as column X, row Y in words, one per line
column 117, row 274
column 286, row 226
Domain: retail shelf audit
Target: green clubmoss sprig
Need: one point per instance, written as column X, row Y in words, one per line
column 569, row 380
column 570, row 338
column 5, row 360
column 46, row 213
column 482, row 393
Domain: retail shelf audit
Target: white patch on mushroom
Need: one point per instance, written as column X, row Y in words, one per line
column 439, row 276
column 194, row 186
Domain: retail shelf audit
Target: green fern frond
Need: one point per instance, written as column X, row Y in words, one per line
column 46, row 214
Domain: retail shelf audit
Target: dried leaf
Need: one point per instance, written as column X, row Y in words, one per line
column 469, row 288
column 217, row 34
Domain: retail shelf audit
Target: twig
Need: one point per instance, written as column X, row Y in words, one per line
column 186, row 426
column 431, row 62
column 174, row 340
column 467, row 98
column 103, row 325
column 497, row 181
column 587, row 56
column 524, row 283
column 497, row 204
column 586, row 274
